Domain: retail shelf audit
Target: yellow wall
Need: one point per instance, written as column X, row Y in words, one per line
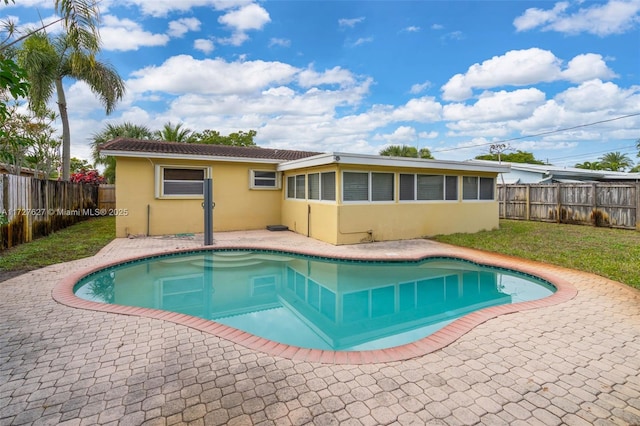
column 240, row 208
column 351, row 223
column 237, row 206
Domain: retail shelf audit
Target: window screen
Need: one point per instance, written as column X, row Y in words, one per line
column 407, row 187
column 381, row 186
column 356, row 186
column 182, row 181
column 329, row 186
column 314, row 186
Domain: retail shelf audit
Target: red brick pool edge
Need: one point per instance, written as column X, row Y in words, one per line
column 63, row 294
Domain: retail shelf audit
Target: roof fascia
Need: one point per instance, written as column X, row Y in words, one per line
column 396, row 162
column 171, row 156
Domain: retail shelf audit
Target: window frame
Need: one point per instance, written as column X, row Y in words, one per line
column 370, row 189
column 296, row 190
column 445, row 188
column 478, row 189
column 277, row 180
column 160, row 181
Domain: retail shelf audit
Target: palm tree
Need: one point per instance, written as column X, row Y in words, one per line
column 615, row 162
column 48, row 61
column 113, row 131
column 174, row 133
column 589, row 165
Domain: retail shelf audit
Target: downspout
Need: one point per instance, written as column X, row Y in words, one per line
column 308, row 220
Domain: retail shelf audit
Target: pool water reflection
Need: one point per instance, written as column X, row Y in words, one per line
column 313, row 302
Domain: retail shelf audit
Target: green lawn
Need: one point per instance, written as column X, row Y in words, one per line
column 611, row 253
column 75, row 242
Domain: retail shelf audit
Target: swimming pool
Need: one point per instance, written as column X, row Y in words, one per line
column 310, row 301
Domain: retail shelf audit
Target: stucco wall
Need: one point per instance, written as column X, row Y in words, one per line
column 237, row 206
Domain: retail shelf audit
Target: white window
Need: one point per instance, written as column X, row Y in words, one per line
column 180, row 181
column 428, row 187
column 322, row 186
column 265, row 179
column 367, row 186
column 296, row 187
column 478, row 188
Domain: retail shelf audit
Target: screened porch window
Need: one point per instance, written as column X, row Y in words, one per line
column 365, row 186
column 428, row 187
column 478, row 188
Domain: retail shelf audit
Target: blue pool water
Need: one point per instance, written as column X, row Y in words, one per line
column 313, row 302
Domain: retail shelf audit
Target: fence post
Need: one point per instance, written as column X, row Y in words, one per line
column 527, row 200
column 637, row 206
column 558, row 204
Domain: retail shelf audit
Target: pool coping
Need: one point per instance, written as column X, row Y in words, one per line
column 565, row 291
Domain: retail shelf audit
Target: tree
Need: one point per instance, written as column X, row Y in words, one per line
column 47, row 61
column 615, row 162
column 113, row 131
column 79, row 20
column 214, row 137
column 78, row 165
column 173, row 133
column 27, row 140
column 512, row 157
column 589, row 165
column 406, row 151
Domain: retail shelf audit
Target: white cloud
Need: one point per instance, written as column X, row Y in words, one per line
column 160, row 8
column 249, row 17
column 521, row 68
column 403, row 135
column 437, row 27
column 182, row 26
column 184, row 74
column 125, row 34
column 613, row 17
column 420, row 87
column 495, row 107
column 361, row 41
column 412, row 29
column 336, row 75
column 203, row 45
column 350, row 23
column 282, row 42
column 586, row 67
column 535, row 17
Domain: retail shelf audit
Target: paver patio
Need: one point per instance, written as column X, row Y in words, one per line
column 573, row 362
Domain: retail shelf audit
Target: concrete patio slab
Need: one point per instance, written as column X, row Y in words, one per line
column 571, row 362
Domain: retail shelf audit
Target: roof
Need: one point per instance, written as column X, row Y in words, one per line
column 126, row 147
column 396, row 162
column 548, row 171
column 286, row 159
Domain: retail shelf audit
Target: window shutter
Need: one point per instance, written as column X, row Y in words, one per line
column 356, row 186
column 382, row 187
column 407, row 187
column 329, row 186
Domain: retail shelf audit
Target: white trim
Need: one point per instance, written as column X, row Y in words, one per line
column 252, row 179
column 158, row 181
column 178, row 156
column 395, row 162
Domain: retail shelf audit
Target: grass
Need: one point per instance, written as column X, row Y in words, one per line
column 83, row 239
column 611, row 253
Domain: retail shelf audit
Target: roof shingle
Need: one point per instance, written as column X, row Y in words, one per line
column 178, row 148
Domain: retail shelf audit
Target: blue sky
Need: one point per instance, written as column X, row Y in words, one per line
column 357, row 76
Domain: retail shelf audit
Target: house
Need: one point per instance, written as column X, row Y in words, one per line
column 546, row 173
column 339, row 198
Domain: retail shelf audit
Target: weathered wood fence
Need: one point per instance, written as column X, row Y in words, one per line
column 31, row 208
column 597, row 204
column 107, row 197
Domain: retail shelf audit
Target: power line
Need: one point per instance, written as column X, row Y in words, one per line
column 540, row 134
column 620, row 149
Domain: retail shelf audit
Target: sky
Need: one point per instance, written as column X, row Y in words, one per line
column 558, row 79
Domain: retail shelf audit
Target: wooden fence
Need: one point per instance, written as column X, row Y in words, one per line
column 107, row 197
column 597, row 204
column 31, row 208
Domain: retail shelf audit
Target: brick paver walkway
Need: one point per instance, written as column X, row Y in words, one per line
column 576, row 362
